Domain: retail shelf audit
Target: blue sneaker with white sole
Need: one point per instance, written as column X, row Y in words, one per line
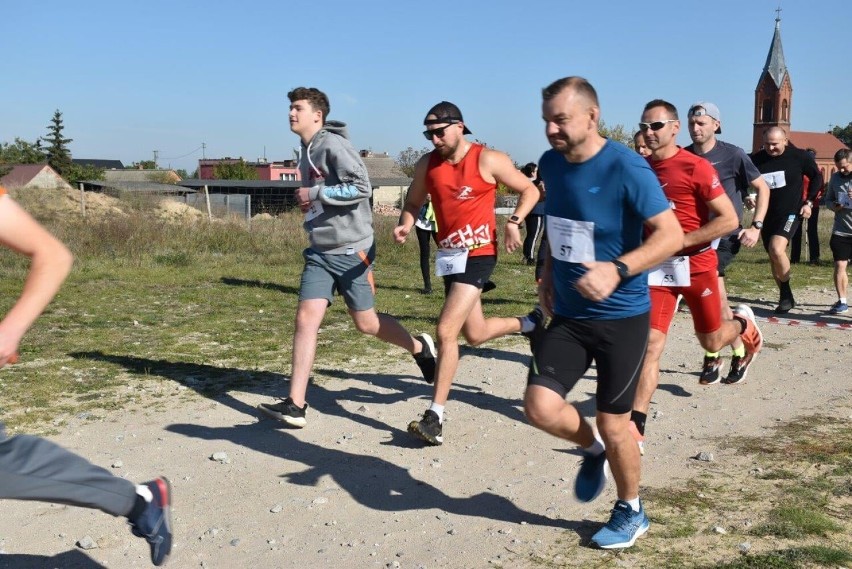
column 623, row 527
column 591, row 479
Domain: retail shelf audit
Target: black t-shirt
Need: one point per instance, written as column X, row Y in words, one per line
column 783, row 174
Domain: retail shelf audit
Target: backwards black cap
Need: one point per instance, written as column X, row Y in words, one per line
column 445, row 112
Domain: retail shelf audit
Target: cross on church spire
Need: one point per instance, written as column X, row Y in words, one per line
column 778, row 13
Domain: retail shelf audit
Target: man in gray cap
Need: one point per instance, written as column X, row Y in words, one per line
column 462, row 177
column 737, row 174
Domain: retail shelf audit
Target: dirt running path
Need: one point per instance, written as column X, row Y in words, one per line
column 354, row 490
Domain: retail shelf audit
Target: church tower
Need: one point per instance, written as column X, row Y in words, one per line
column 774, row 93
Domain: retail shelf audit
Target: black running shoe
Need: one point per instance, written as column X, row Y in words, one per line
column 285, row 411
column 154, row 524
column 710, row 373
column 428, row 428
column 785, row 305
column 739, row 369
column 426, row 358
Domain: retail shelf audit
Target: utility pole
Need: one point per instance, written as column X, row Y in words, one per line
column 203, row 148
column 156, row 152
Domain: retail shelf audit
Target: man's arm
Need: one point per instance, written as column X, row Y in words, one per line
column 812, row 171
column 414, row 200
column 353, row 182
column 496, row 165
column 724, row 221
column 750, row 235
column 50, row 264
column 666, row 239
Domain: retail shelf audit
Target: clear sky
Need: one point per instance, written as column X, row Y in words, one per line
column 134, row 77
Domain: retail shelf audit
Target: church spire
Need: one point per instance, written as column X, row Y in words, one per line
column 775, row 65
column 773, row 97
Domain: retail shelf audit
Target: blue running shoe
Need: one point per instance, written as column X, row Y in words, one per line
column 623, row 527
column 838, row 308
column 154, row 524
column 591, row 479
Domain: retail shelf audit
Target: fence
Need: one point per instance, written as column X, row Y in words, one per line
column 220, row 205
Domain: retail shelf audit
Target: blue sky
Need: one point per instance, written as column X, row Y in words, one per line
column 131, row 78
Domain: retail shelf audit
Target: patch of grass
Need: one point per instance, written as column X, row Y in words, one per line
column 795, row 558
column 796, row 522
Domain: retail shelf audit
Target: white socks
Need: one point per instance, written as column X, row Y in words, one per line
column 145, row 492
column 595, row 448
column 439, row 411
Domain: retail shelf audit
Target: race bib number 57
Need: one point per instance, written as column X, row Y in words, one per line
column 570, row 240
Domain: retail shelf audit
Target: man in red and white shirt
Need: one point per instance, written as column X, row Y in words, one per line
column 705, row 213
column 462, row 179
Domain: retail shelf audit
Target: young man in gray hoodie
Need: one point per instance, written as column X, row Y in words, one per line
column 335, row 198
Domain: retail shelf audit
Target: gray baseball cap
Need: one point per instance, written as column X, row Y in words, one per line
column 704, row 108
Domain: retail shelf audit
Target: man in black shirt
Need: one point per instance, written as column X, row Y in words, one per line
column 783, row 167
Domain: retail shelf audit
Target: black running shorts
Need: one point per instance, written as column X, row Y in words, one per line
column 569, row 347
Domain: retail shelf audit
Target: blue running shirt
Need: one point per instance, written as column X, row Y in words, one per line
column 615, row 191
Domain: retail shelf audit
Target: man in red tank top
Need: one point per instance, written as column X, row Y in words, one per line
column 462, row 179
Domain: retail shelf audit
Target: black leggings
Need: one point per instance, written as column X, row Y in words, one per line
column 535, row 226
column 423, row 238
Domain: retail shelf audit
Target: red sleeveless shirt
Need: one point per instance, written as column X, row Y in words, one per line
column 463, row 203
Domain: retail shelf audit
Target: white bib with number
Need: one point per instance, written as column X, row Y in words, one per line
column 775, row 179
column 570, row 240
column 674, row 271
column 450, row 262
column 314, row 211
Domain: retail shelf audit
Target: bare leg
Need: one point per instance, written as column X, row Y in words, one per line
column 309, row 316
column 650, row 377
column 621, row 452
column 386, row 328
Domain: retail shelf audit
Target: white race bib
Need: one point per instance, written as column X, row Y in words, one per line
column 674, row 271
column 570, row 240
column 450, row 262
column 314, row 211
column 775, row 179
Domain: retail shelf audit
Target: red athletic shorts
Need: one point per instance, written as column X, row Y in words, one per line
column 702, row 297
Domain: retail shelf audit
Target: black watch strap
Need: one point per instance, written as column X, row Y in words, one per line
column 623, row 271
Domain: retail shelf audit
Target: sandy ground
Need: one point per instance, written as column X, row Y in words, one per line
column 354, row 490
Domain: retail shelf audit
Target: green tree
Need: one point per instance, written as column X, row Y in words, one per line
column 617, row 133
column 407, row 160
column 844, row 133
column 58, row 155
column 238, row 170
column 143, row 165
column 182, row 173
column 21, row 152
column 78, row 172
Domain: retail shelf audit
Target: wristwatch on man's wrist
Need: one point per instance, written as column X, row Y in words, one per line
column 757, row 224
column 809, row 203
column 515, row 219
column 623, row 271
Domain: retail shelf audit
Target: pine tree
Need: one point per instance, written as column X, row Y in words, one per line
column 58, row 155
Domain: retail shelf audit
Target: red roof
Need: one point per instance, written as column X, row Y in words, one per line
column 824, row 143
column 21, row 175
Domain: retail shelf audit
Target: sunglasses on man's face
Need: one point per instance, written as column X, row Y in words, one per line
column 439, row 132
column 655, row 126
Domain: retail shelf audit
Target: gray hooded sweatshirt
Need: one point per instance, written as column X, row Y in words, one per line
column 337, row 177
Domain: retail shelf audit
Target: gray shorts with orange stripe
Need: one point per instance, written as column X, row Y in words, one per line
column 351, row 276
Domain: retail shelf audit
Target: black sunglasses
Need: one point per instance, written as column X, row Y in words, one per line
column 439, row 132
column 655, row 126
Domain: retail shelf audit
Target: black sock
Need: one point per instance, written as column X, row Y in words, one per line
column 786, row 291
column 138, row 507
column 639, row 419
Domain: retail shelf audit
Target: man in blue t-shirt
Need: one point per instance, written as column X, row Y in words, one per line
column 737, row 174
column 602, row 199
